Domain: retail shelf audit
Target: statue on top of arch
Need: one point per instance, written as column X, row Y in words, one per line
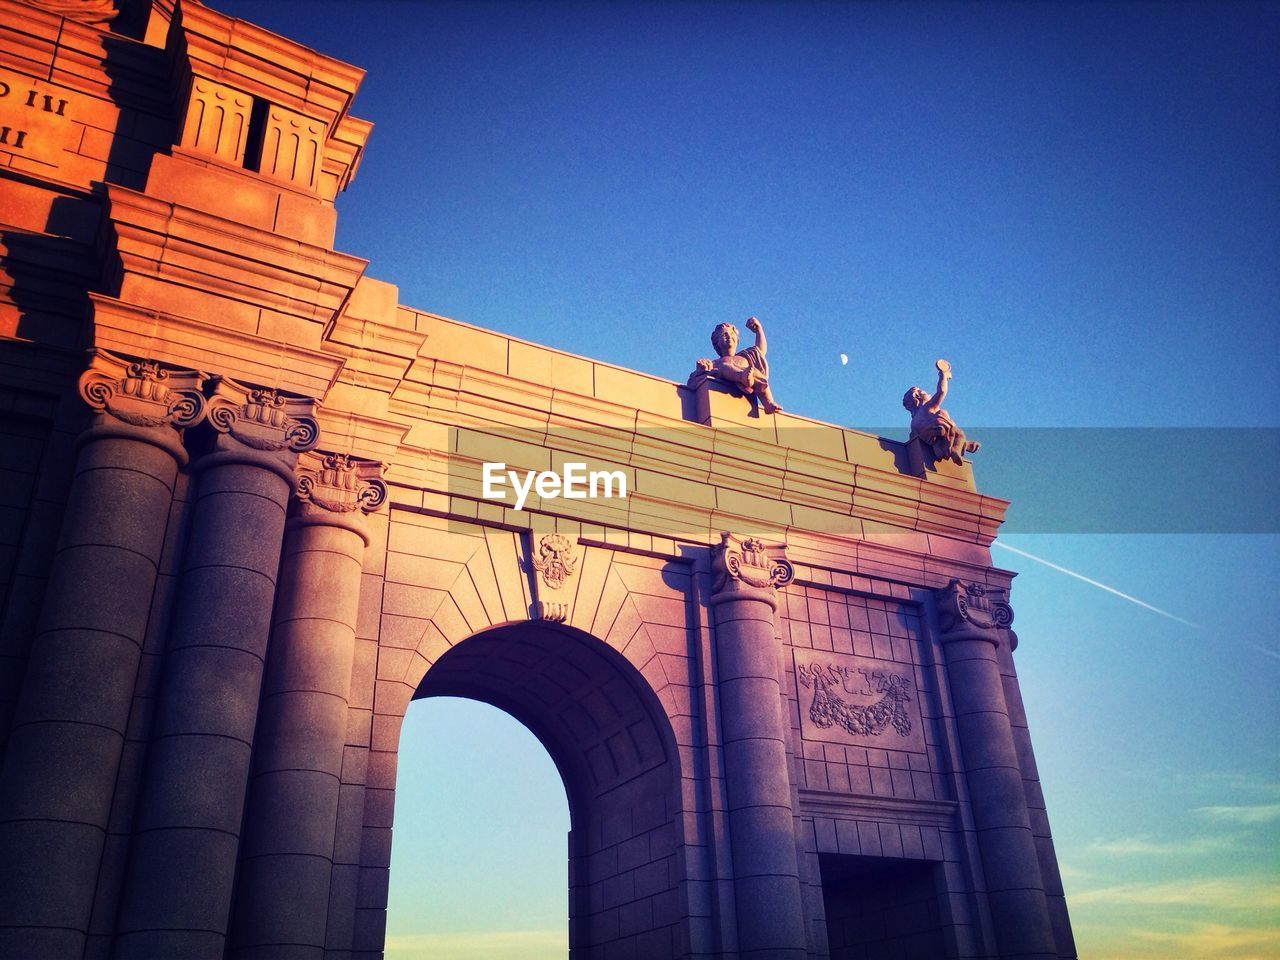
column 745, row 370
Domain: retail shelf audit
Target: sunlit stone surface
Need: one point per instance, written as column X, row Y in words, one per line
column 776, row 676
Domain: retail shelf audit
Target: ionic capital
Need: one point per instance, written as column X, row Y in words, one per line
column 263, row 418
column 747, row 568
column 971, row 611
column 338, row 490
column 142, row 393
column 142, row 400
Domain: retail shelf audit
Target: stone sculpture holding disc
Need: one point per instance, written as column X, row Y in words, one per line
column 933, row 425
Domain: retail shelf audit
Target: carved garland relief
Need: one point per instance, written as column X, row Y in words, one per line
column 859, row 701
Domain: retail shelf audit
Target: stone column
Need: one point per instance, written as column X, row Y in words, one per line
column 286, row 860
column 771, row 921
column 973, row 623
column 69, row 726
column 178, row 886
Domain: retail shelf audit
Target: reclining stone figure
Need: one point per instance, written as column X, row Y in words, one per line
column 747, row 370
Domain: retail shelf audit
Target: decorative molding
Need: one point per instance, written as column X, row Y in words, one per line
column 142, row 393
column 825, row 803
column 292, row 148
column 217, row 120
column 971, row 611
column 340, row 484
column 550, row 611
column 94, row 12
column 747, row 568
column 263, row 418
column 555, row 559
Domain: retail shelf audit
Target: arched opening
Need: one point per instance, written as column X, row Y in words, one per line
column 610, row 740
column 478, row 863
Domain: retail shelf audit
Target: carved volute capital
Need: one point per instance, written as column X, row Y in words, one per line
column 262, row 418
column 747, row 568
column 970, row 611
column 142, row 393
column 337, row 490
column 340, row 484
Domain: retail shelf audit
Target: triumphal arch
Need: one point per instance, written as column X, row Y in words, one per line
column 245, row 524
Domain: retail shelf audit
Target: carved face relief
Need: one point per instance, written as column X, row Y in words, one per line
column 555, row 559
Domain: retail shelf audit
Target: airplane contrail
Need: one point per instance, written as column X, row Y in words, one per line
column 1095, row 583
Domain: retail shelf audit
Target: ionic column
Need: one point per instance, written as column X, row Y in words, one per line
column 178, row 887
column 69, row 727
column 282, row 898
column 973, row 624
column 747, row 574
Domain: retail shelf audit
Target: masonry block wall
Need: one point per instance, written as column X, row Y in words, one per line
column 242, row 528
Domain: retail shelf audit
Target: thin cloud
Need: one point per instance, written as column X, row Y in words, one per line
column 1250, row 814
column 1146, row 847
column 1095, row 583
column 1244, row 893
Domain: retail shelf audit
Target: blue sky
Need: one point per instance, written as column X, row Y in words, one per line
column 1077, row 204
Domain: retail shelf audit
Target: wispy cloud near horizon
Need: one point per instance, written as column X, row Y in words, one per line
column 1249, row 814
column 1249, row 893
column 1144, row 846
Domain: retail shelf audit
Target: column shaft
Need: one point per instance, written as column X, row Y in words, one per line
column 761, row 828
column 1015, row 888
column 293, row 804
column 766, row 870
column 69, row 728
column 178, row 887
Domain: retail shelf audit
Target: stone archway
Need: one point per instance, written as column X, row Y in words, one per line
column 611, row 741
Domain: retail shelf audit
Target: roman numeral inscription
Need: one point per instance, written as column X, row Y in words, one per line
column 33, row 123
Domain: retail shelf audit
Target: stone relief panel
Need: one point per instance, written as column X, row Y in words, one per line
column 864, row 693
column 859, row 701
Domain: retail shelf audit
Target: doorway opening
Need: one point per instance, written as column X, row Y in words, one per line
column 881, row 909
